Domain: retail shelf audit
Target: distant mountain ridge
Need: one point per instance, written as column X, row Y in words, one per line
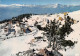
column 9, row 11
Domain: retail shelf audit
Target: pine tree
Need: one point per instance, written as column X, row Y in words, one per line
column 57, row 35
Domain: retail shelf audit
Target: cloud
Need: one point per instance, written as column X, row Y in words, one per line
column 43, row 6
column 1, row 5
column 16, row 5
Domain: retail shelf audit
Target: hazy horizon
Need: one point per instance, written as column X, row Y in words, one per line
column 12, row 8
column 40, row 2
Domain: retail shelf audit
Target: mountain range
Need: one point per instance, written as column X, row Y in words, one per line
column 9, row 11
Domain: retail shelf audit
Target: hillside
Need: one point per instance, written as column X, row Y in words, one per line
column 31, row 35
column 74, row 36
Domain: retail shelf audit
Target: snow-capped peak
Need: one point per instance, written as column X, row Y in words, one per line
column 43, row 6
column 3, row 5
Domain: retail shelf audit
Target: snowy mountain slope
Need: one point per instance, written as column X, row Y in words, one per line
column 74, row 36
column 14, row 45
column 22, row 43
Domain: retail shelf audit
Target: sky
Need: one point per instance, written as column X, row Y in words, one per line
column 41, row 2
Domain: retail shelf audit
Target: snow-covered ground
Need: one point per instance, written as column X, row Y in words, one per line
column 10, row 47
column 74, row 36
